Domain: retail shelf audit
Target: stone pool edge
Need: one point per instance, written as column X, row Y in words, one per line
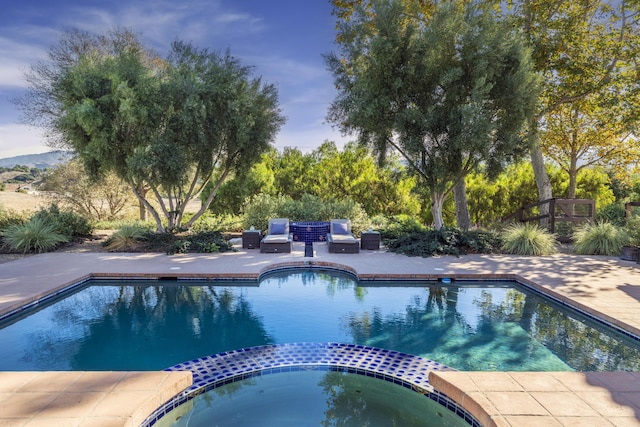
column 86, row 398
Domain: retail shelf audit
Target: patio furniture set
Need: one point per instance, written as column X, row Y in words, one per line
column 281, row 234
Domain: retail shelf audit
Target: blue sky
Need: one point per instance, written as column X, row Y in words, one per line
column 282, row 39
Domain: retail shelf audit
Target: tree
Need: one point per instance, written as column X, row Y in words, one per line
column 70, row 187
column 584, row 49
column 246, row 183
column 448, row 93
column 166, row 126
column 327, row 173
column 353, row 173
column 292, row 173
column 581, row 135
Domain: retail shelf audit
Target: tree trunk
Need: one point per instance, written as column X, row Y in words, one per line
column 463, row 219
column 437, row 202
column 573, row 178
column 142, row 210
column 542, row 179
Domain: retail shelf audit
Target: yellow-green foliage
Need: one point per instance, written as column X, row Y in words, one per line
column 600, row 239
column 528, row 239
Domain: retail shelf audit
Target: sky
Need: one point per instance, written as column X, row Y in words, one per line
column 282, row 39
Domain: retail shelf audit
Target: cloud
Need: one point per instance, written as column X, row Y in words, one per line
column 16, row 140
column 161, row 22
column 17, row 57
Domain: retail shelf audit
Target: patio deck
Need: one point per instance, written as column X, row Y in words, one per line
column 606, row 287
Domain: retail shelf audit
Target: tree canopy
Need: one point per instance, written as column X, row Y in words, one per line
column 586, row 51
column 167, row 126
column 449, row 91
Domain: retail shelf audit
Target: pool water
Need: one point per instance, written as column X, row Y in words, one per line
column 151, row 325
column 311, row 398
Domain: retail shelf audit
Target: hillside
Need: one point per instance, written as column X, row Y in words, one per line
column 39, row 161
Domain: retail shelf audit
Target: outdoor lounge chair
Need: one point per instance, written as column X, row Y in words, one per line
column 340, row 239
column 278, row 238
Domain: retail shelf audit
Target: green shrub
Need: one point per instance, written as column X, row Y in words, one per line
column 35, row 235
column 209, row 222
column 613, row 214
column 481, row 242
column 632, row 228
column 259, row 209
column 425, row 244
column 446, row 241
column 528, row 239
column 349, row 209
column 66, row 223
column 201, row 242
column 308, row 208
column 600, row 239
column 128, row 238
column 160, row 242
column 400, row 225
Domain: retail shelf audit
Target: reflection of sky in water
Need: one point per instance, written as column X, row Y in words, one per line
column 149, row 326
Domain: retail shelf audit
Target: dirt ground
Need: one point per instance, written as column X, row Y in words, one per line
column 31, row 202
column 92, row 244
column 21, row 202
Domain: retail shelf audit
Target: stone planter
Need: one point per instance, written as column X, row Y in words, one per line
column 630, row 253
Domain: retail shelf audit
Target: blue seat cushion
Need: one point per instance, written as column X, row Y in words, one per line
column 278, row 228
column 340, row 228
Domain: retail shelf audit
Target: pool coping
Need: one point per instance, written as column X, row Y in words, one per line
column 586, row 283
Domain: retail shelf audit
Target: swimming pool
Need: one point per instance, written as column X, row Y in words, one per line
column 151, row 325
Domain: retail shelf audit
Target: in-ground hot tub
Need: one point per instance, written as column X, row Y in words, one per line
column 311, row 384
column 309, row 231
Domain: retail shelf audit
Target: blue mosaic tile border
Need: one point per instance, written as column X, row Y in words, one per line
column 399, row 368
column 569, row 306
column 45, row 299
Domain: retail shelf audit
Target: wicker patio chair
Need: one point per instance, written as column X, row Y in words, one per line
column 340, row 239
column 278, row 238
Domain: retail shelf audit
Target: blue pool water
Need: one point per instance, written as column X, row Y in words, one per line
column 119, row 325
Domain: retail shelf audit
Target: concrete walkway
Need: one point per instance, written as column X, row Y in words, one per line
column 603, row 286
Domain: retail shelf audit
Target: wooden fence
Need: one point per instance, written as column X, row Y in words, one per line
column 560, row 216
column 628, row 208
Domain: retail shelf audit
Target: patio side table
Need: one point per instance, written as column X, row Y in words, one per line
column 370, row 240
column 251, row 239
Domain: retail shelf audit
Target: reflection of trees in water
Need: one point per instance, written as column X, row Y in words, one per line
column 153, row 327
column 583, row 347
column 497, row 336
column 344, row 407
column 333, row 280
column 356, row 400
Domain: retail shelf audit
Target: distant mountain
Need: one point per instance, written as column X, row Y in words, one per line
column 40, row 161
